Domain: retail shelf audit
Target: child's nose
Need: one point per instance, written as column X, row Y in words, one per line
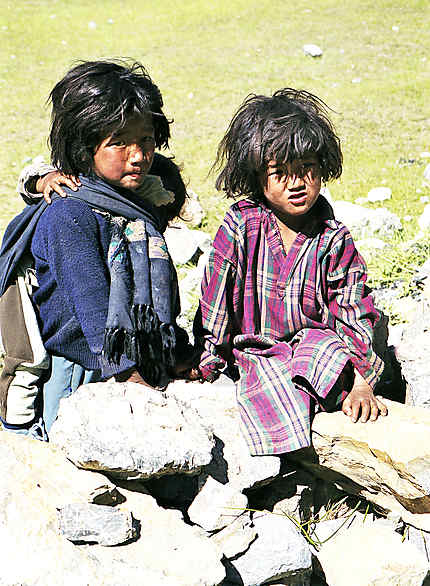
column 136, row 153
column 294, row 180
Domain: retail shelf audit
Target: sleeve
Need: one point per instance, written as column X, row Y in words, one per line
column 213, row 322
column 75, row 256
column 351, row 313
column 25, row 180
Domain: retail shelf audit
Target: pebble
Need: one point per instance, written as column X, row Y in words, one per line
column 312, row 50
column 379, row 194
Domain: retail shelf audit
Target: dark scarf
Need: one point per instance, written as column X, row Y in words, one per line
column 140, row 321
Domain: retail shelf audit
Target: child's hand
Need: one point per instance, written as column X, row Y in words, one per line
column 53, row 182
column 361, row 399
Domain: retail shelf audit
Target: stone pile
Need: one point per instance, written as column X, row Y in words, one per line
column 141, row 487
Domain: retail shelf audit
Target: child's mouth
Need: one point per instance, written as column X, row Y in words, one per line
column 298, row 198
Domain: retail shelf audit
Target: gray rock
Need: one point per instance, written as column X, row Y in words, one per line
column 95, row 524
column 131, row 431
column 278, row 552
column 216, row 505
column 168, row 552
column 216, row 405
column 420, row 539
column 365, row 222
column 413, row 354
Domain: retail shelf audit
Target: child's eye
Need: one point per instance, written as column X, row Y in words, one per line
column 117, row 143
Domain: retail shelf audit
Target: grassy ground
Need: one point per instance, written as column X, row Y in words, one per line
column 207, row 56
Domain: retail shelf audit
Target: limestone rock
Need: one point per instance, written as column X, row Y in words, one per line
column 390, row 469
column 365, row 222
column 216, row 505
column 312, row 50
column 36, row 479
column 232, row 462
column 279, row 551
column 424, row 219
column 371, row 557
column 379, row 194
column 413, row 353
column 39, row 473
column 95, row 523
column 184, row 243
column 236, row 537
column 131, row 431
column 168, row 552
column 192, row 211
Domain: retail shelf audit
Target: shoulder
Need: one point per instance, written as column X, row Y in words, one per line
column 244, row 213
column 239, row 221
column 65, row 213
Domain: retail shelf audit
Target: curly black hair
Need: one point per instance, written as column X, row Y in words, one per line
column 286, row 126
column 92, row 101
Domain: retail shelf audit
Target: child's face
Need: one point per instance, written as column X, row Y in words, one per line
column 124, row 158
column 293, row 188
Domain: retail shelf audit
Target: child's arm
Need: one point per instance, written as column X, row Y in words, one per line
column 40, row 180
column 352, row 315
column 213, row 323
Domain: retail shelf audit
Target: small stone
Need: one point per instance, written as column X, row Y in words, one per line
column 312, row 50
column 216, row 505
column 95, row 524
column 427, row 173
column 356, row 80
column 424, row 219
column 424, row 199
column 279, row 552
column 92, row 25
column 236, row 537
column 379, row 194
column 395, row 28
column 407, row 218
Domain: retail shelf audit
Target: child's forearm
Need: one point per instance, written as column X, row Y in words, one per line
column 27, row 180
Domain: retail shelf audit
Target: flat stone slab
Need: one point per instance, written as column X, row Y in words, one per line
column 386, row 461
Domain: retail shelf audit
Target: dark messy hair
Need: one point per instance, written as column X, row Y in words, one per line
column 283, row 127
column 95, row 99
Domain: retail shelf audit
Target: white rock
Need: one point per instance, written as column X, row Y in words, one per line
column 168, row 553
column 424, row 199
column 427, row 173
column 236, row 537
column 183, row 243
column 131, row 431
column 312, row 50
column 217, row 406
column 373, row 556
column 424, row 219
column 216, row 505
column 365, row 222
column 278, row 552
column 379, row 194
column 192, row 211
column 371, row 244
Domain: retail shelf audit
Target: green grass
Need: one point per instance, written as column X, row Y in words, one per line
column 206, row 56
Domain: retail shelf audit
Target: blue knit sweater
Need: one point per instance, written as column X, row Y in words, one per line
column 70, row 248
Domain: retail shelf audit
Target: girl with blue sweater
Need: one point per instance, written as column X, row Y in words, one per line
column 107, row 290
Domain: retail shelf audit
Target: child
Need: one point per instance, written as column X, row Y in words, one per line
column 284, row 296
column 107, row 290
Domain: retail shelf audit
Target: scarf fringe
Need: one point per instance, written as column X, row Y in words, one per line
column 150, row 344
